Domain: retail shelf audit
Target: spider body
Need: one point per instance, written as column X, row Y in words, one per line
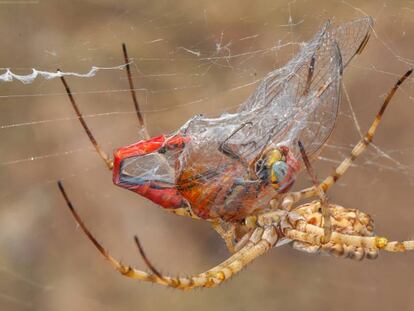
column 346, row 221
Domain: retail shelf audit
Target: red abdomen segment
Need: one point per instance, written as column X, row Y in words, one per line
column 222, row 196
column 131, row 170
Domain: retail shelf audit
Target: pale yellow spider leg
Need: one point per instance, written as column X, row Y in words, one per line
column 293, row 197
column 313, row 235
column 399, row 246
column 259, row 243
column 243, row 241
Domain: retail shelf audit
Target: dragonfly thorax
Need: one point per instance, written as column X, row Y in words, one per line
column 277, row 167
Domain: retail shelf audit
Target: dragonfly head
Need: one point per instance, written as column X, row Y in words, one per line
column 279, row 167
column 147, row 168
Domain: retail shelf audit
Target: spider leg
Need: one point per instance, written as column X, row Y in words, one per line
column 103, row 155
column 146, row 259
column 321, row 194
column 259, row 243
column 132, row 88
column 354, row 246
column 360, row 147
column 399, row 246
column 243, row 241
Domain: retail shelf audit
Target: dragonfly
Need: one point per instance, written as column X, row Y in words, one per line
column 229, row 167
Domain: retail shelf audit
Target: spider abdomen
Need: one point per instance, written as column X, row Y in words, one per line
column 347, row 221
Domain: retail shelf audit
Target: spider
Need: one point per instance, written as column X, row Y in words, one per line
column 314, row 227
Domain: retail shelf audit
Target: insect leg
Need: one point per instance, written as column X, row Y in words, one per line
column 226, row 149
column 310, row 76
column 259, row 243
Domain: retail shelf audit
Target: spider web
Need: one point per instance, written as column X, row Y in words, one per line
column 187, row 58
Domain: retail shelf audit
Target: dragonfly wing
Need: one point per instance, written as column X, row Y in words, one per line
column 280, row 101
column 298, row 101
column 306, row 109
column 291, row 103
column 351, row 38
column 320, row 121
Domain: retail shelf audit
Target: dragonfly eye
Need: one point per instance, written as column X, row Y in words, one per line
column 278, row 167
column 279, row 172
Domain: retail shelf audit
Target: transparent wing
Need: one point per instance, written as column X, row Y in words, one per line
column 304, row 110
column 293, row 83
column 298, row 101
column 351, row 38
column 212, row 178
column 321, row 120
column 304, row 105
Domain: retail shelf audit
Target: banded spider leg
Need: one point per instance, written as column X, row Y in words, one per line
column 102, row 154
column 271, row 227
column 287, row 200
column 260, row 241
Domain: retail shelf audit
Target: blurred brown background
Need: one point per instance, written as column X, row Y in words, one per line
column 189, row 57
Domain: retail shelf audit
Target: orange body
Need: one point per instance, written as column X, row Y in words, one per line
column 214, row 186
column 225, row 193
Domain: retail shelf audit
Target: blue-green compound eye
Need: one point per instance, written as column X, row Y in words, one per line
column 279, row 171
